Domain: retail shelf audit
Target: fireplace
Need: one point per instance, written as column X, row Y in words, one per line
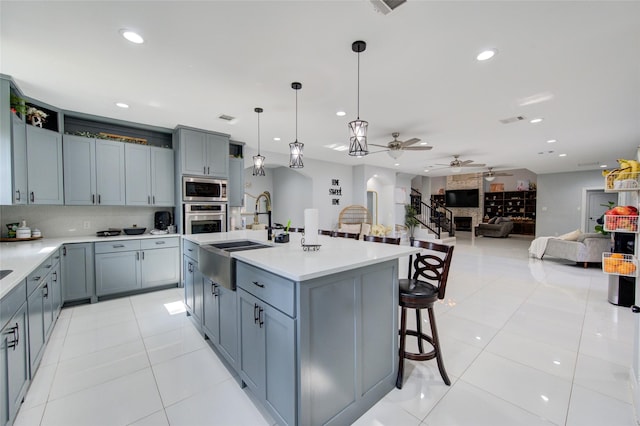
column 463, row 223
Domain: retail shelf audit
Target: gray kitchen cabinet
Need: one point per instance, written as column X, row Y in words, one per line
column 193, row 283
column 36, row 309
column 160, row 262
column 235, row 186
column 14, row 353
column 220, row 322
column 56, row 289
column 77, row 269
column 93, row 171
column 44, row 166
column 203, row 153
column 149, row 175
column 19, row 154
column 211, row 311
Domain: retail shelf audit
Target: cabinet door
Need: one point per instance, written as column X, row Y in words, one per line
column 110, row 176
column 77, row 271
column 211, row 314
column 193, row 152
column 160, row 266
column 198, row 295
column 252, row 347
column 35, row 308
column 19, row 148
column 235, row 187
column 56, row 290
column 79, row 155
column 138, row 174
column 163, row 185
column 117, row 272
column 228, row 319
column 217, row 156
column 14, row 365
column 47, row 305
column 44, row 166
column 187, row 273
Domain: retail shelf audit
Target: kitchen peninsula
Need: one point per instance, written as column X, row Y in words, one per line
column 316, row 330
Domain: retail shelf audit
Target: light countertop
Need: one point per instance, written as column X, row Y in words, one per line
column 23, row 257
column 290, row 261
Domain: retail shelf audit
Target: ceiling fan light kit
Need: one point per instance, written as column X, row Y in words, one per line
column 258, row 160
column 489, row 178
column 358, row 128
column 296, row 148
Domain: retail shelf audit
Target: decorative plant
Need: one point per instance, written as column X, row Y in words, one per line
column 599, row 228
column 18, row 104
column 410, row 219
column 36, row 112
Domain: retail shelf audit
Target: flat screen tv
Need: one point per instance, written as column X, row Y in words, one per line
column 462, row 198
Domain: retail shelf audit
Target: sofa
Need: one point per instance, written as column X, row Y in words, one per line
column 586, row 248
column 499, row 227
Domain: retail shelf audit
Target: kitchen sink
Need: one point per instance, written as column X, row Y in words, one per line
column 215, row 262
column 5, row 272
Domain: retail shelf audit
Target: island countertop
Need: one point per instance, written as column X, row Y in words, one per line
column 290, row 261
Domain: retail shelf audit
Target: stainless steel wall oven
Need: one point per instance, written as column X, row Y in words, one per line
column 205, row 218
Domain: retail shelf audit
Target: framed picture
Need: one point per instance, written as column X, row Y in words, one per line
column 522, row 185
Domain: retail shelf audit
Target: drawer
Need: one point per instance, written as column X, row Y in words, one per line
column 154, row 243
column 38, row 276
column 56, row 256
column 11, row 302
column 116, row 246
column 190, row 249
column 273, row 289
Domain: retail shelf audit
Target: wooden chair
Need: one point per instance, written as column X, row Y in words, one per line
column 345, row 235
column 325, row 232
column 386, row 240
column 420, row 291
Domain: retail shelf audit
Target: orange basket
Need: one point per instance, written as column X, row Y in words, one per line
column 619, row 264
column 620, row 223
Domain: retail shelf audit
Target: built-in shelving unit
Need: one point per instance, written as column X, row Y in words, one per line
column 518, row 205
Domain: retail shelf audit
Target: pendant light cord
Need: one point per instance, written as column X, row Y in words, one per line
column 358, row 110
column 296, row 115
column 258, row 133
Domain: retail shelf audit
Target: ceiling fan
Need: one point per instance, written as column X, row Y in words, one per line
column 491, row 175
column 396, row 147
column 456, row 165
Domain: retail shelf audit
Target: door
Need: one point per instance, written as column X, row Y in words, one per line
column 77, row 271
column 193, row 152
column 110, row 175
column 44, row 166
column 19, row 147
column 79, row 155
column 163, row 185
column 117, row 272
column 595, row 208
column 137, row 174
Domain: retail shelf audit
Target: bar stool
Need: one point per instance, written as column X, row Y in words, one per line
column 296, row 230
column 421, row 291
column 325, row 232
column 385, row 240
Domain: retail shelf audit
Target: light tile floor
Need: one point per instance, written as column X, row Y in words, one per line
column 525, row 342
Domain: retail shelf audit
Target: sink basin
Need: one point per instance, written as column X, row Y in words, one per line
column 5, row 272
column 245, row 244
column 215, row 260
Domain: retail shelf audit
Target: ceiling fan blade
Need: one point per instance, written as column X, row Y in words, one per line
column 470, row 163
column 465, row 163
column 410, row 142
column 378, row 152
column 417, row 148
column 502, row 174
column 381, row 146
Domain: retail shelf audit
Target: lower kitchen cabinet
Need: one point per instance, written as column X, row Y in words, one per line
column 160, row 262
column 193, row 290
column 220, row 322
column 14, row 353
column 117, row 272
column 77, row 272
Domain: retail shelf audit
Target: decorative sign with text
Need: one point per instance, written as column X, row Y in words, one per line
column 335, row 191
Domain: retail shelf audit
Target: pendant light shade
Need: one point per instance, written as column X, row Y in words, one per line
column 489, row 178
column 358, row 128
column 258, row 160
column 295, row 148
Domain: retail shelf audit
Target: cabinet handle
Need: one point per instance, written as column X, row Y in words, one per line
column 48, row 266
column 36, row 278
column 55, row 276
column 260, row 317
column 255, row 312
column 17, row 195
column 33, row 197
column 137, row 255
column 204, row 170
column 45, row 295
column 148, row 199
column 142, row 255
column 163, row 242
column 214, row 289
column 189, row 249
column 16, row 337
column 118, row 246
column 93, row 198
column 99, row 199
column 258, row 284
column 153, row 198
column 190, row 267
column 208, row 170
column 64, row 251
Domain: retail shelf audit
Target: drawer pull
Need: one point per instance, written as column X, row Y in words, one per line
column 16, row 337
column 163, row 242
column 260, row 317
column 258, row 284
column 36, row 278
column 45, row 288
column 48, row 266
column 255, row 312
column 118, row 246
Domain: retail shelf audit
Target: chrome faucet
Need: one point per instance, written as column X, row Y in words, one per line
column 267, row 198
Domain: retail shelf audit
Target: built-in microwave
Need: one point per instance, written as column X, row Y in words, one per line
column 203, row 190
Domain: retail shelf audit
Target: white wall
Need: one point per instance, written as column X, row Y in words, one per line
column 292, row 193
column 510, row 182
column 559, row 203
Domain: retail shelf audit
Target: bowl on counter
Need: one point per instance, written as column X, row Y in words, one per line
column 134, row 231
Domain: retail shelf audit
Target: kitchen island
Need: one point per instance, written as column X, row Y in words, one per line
column 316, row 331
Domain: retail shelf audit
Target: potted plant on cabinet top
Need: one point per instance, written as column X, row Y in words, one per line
column 18, row 105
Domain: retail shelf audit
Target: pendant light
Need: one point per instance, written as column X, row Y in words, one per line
column 258, row 160
column 295, row 148
column 358, row 128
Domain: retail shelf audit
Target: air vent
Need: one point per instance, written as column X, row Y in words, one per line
column 512, row 119
column 592, row 164
column 226, row 117
column 386, row 6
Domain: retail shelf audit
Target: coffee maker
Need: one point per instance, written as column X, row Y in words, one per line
column 162, row 220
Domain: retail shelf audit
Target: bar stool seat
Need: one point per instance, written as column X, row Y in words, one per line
column 421, row 291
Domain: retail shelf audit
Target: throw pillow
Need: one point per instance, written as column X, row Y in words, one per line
column 493, row 220
column 365, row 230
column 571, row 236
column 353, row 228
column 499, row 220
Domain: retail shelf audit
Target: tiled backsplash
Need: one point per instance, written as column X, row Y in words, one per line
column 65, row 221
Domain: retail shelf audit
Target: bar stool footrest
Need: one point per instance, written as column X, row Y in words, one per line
column 420, row 356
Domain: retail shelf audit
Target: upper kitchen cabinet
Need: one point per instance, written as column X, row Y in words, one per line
column 149, row 175
column 93, row 171
column 203, row 153
column 19, row 145
column 44, row 166
column 235, row 186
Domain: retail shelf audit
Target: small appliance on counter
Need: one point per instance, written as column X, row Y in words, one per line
column 162, row 220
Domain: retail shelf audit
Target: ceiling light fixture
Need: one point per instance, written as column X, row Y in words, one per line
column 276, row 139
column 258, row 160
column 603, row 166
column 489, row 178
column 295, row 148
column 358, row 128
column 341, row 113
column 395, row 153
column 132, row 36
column 562, row 155
column 486, row 54
column 535, row 120
column 122, row 105
column 456, row 169
column 552, row 141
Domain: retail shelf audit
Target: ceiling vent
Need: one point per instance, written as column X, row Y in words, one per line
column 226, row 117
column 512, row 119
column 386, row 6
column 592, row 164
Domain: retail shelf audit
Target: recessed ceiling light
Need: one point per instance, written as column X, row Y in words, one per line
column 276, row 139
column 132, row 36
column 341, row 113
column 426, row 170
column 486, row 54
column 396, row 164
column 603, row 166
column 423, row 143
column 552, row 141
column 122, row 105
column 562, row 155
column 375, row 175
column 535, row 120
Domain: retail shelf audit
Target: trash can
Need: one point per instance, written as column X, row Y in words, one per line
column 622, row 290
